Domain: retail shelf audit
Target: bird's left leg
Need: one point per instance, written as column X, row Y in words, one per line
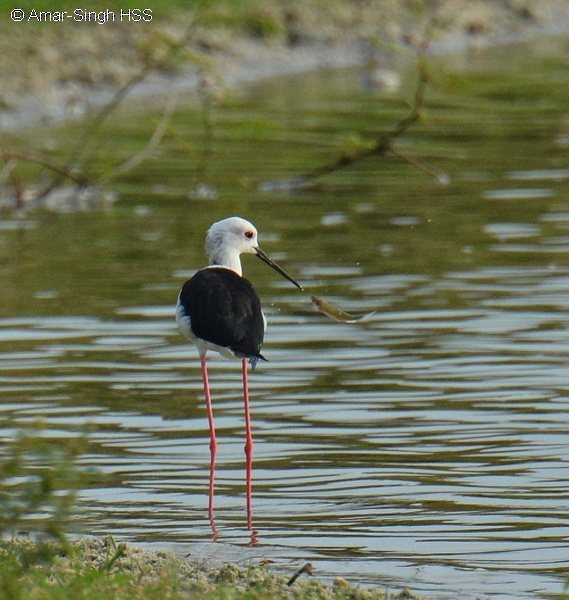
column 212, row 443
column 209, row 407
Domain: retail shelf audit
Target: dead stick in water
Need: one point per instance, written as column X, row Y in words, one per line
column 307, row 568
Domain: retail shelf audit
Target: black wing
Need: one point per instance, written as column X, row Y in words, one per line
column 224, row 309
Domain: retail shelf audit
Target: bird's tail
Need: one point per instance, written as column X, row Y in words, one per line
column 255, row 358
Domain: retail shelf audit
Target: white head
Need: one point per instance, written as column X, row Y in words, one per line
column 227, row 239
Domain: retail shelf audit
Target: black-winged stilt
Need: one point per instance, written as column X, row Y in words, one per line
column 218, row 309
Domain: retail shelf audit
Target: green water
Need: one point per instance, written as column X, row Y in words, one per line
column 426, row 446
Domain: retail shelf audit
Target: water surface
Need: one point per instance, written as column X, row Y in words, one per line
column 426, row 446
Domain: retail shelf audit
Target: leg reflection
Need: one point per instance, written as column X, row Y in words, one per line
column 249, row 490
column 211, row 496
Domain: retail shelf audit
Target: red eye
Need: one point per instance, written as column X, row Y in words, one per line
column 249, row 235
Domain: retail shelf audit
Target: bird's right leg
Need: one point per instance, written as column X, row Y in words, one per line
column 248, row 452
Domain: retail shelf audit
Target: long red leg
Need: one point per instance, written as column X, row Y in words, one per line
column 212, row 446
column 211, row 495
column 212, row 438
column 248, row 434
column 248, row 453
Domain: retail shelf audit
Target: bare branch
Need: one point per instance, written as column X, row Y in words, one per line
column 38, row 159
column 151, row 66
column 9, row 172
column 440, row 176
column 153, row 142
column 384, row 143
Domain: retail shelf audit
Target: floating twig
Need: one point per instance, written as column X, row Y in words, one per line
column 335, row 313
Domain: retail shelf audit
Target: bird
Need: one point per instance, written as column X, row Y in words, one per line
column 219, row 310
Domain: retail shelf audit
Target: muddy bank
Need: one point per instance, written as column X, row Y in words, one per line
column 91, row 565
column 52, row 71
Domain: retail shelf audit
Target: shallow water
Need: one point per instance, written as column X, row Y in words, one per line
column 425, row 446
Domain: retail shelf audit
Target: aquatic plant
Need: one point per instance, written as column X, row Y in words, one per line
column 39, row 483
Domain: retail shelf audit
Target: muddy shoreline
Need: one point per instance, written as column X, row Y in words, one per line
column 56, row 72
column 133, row 570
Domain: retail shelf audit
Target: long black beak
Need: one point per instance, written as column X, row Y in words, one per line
column 276, row 267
